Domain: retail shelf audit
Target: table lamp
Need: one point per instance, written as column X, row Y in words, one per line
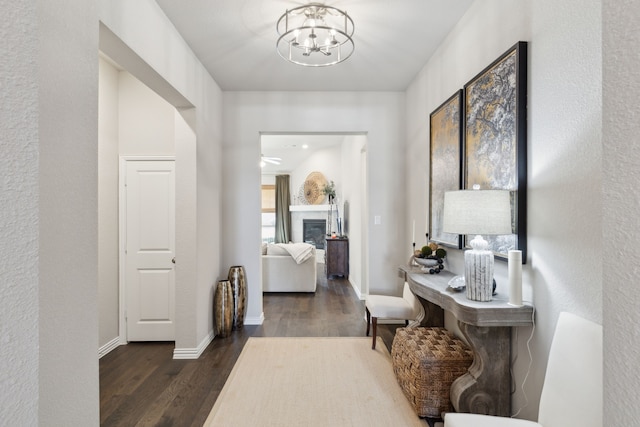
column 478, row 212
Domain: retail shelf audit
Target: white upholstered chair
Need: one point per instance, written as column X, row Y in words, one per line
column 572, row 389
column 404, row 308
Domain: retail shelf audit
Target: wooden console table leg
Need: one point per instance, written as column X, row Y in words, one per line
column 486, row 387
column 433, row 313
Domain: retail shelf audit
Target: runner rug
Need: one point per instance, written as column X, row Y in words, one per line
column 312, row 382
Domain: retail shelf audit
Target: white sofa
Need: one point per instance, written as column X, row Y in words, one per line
column 281, row 272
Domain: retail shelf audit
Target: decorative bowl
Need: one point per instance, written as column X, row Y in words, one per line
column 457, row 283
column 427, row 262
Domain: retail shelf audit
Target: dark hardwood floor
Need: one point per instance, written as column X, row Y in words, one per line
column 142, row 385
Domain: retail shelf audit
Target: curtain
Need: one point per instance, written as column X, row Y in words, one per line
column 283, row 216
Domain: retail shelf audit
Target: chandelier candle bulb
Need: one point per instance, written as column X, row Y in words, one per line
column 515, row 278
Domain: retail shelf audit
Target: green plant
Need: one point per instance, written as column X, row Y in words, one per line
column 426, row 251
column 330, row 190
column 441, row 253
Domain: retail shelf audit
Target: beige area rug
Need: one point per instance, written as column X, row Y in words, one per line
column 312, row 382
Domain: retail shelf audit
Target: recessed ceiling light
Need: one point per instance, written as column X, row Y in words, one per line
column 305, row 146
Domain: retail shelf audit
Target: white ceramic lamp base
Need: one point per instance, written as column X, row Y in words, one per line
column 478, row 265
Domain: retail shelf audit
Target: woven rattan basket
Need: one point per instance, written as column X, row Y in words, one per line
column 426, row 361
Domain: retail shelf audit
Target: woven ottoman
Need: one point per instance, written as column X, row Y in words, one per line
column 426, row 361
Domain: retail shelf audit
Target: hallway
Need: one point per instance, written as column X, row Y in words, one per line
column 140, row 383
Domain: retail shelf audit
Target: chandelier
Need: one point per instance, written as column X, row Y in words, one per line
column 315, row 35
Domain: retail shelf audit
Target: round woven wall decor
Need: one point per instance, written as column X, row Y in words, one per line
column 313, row 188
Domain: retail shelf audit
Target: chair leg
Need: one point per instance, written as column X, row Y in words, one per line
column 368, row 319
column 374, row 320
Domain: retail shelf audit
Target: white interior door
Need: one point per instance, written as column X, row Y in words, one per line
column 150, row 250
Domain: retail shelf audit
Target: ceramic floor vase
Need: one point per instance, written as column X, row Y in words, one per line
column 238, row 282
column 223, row 308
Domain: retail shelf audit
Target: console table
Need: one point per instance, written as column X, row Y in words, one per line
column 486, row 387
column 336, row 257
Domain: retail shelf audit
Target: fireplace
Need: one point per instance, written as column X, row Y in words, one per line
column 314, row 231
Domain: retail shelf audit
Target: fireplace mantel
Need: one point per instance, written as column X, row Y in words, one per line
column 308, row 208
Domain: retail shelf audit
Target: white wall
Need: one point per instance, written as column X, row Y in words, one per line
column 268, row 179
column 48, row 206
column 246, row 114
column 621, row 229
column 564, row 124
column 19, row 193
column 146, row 121
column 327, row 161
column 108, row 154
column 139, row 37
column 68, row 204
column 351, row 194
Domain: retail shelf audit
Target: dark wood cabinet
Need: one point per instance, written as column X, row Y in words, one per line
column 336, row 257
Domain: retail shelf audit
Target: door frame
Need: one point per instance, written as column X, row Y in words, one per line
column 122, row 239
column 364, row 220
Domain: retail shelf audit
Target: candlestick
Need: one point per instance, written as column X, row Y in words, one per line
column 515, row 278
column 413, row 234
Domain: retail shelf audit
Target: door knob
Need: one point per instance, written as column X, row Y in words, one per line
column 173, row 260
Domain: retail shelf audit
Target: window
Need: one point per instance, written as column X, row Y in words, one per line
column 268, row 198
column 268, row 213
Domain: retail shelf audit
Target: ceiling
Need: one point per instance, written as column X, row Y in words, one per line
column 291, row 149
column 235, row 41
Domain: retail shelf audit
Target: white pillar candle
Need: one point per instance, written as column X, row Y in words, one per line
column 515, row 278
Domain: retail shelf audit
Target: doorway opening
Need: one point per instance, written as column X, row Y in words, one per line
column 337, row 158
column 134, row 120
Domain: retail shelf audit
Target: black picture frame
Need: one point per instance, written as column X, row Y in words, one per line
column 445, row 167
column 495, row 139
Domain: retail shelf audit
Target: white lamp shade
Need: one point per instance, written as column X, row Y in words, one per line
column 486, row 212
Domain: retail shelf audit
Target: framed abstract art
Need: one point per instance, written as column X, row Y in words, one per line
column 445, row 164
column 495, row 139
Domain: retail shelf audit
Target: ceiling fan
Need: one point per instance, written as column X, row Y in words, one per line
column 272, row 160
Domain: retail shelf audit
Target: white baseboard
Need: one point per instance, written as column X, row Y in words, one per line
column 254, row 320
column 193, row 353
column 357, row 291
column 109, row 347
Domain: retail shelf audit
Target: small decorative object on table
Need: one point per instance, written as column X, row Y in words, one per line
column 457, row 284
column 430, row 258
